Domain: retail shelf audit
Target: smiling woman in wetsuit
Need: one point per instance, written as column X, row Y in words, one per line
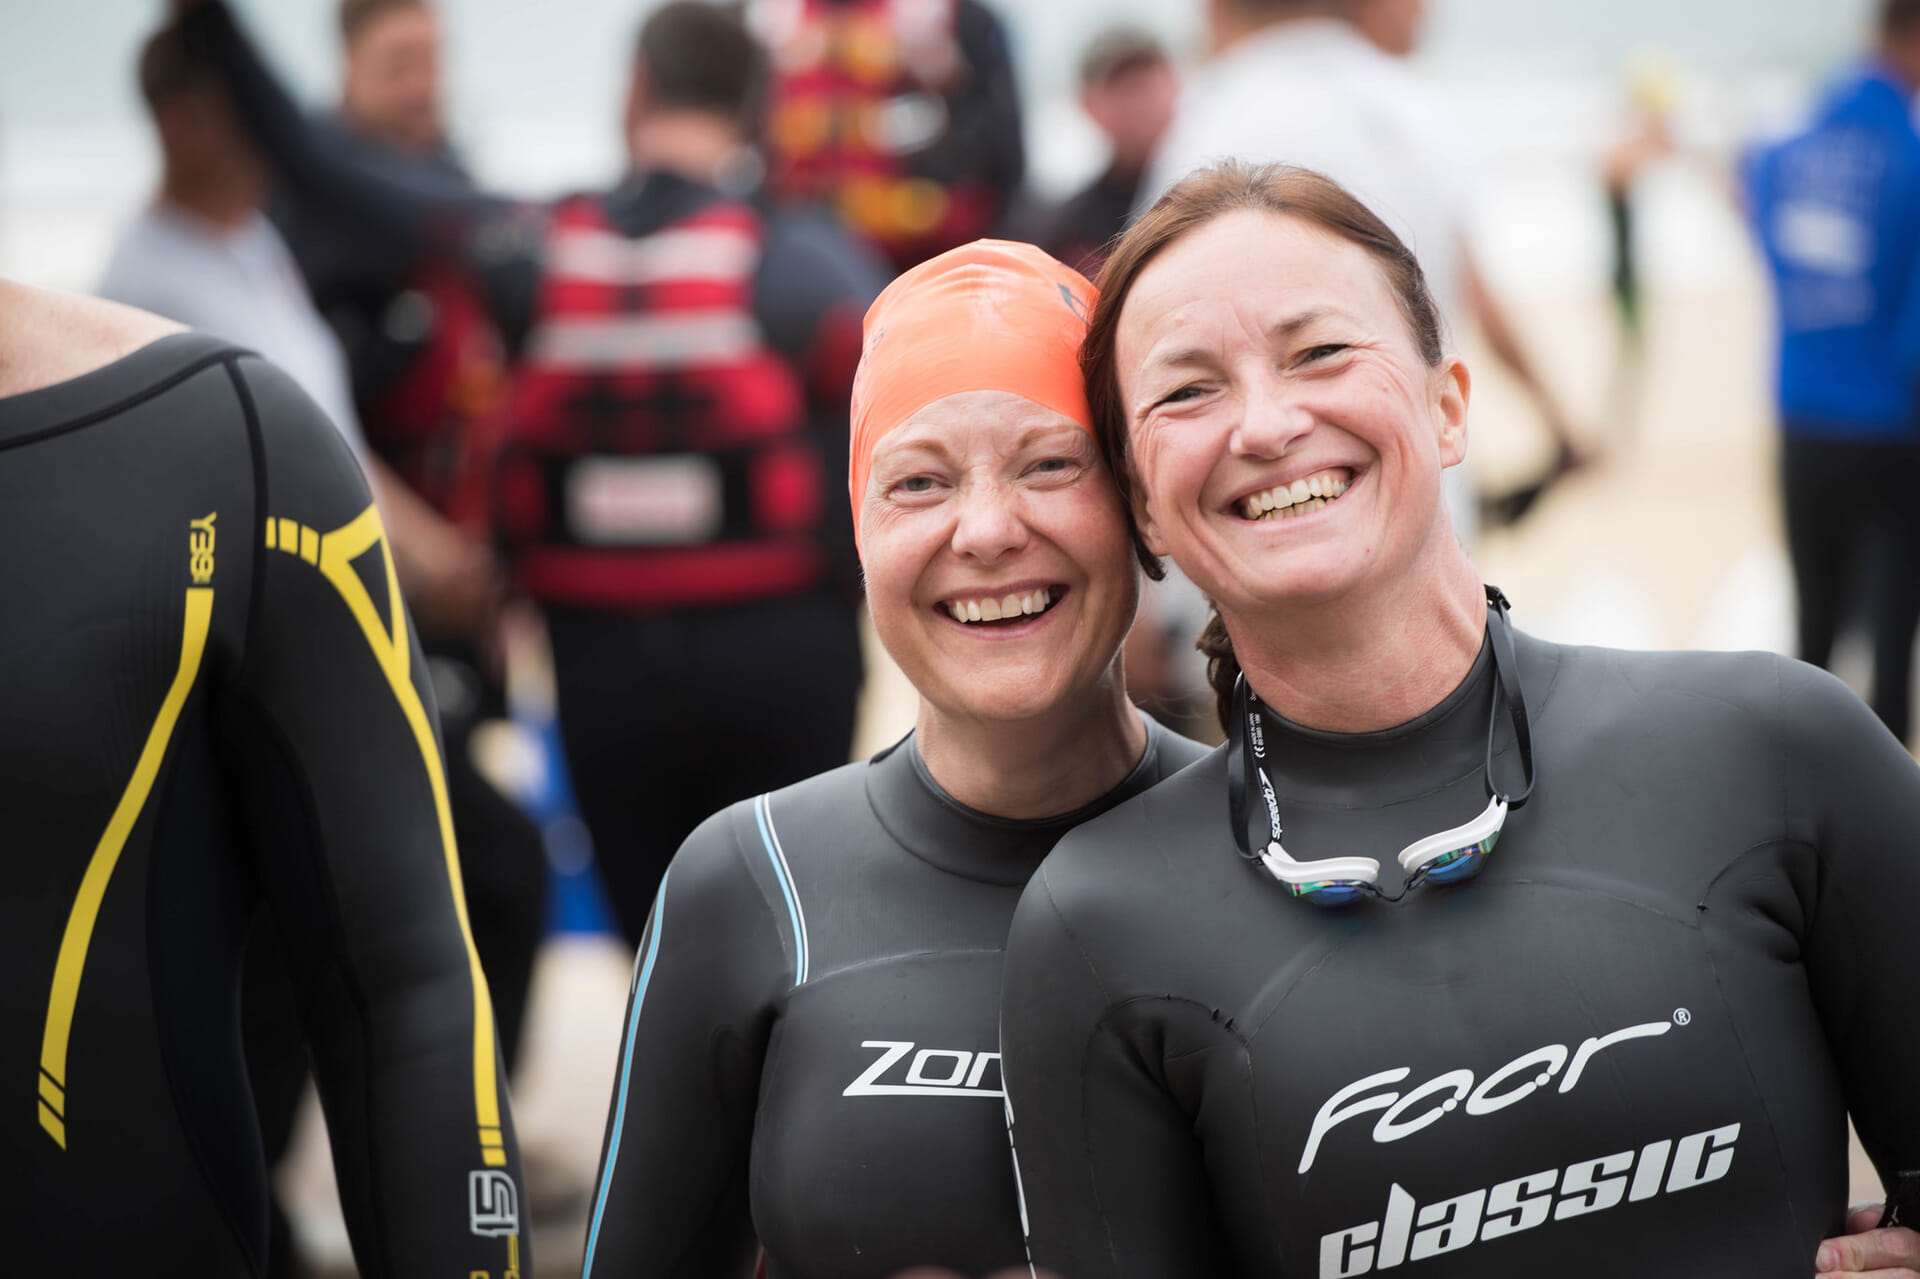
column 810, row 1060
column 1617, row 1030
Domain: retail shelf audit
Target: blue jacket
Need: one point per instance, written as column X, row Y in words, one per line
column 1837, row 211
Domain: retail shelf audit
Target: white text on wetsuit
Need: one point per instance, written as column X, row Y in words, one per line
column 933, row 1072
column 1413, row 1232
column 1440, row 1095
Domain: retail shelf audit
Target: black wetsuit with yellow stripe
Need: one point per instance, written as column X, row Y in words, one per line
column 211, row 702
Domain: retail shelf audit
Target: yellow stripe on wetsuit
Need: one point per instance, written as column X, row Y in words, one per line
column 106, row 854
column 333, row 554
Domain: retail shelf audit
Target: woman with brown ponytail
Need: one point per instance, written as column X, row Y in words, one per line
column 1606, row 1012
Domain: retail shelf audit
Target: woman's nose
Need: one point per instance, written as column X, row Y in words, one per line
column 1271, row 420
column 990, row 523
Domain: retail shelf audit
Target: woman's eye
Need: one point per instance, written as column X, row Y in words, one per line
column 1052, row 464
column 1324, row 350
column 917, row 484
column 1179, row 394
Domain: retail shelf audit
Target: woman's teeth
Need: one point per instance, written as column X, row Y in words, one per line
column 992, row 609
column 1307, row 494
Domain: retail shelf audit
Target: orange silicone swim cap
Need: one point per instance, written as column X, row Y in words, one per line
column 988, row 316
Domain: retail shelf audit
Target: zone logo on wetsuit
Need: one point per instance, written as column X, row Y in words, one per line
column 1585, row 1186
column 934, row 1072
column 1492, row 1094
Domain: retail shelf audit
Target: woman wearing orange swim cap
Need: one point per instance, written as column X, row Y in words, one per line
column 810, row 1062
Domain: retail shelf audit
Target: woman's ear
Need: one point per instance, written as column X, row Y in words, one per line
column 1143, row 520
column 1452, row 390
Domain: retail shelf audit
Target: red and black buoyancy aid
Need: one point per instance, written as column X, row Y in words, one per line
column 655, row 453
column 850, row 124
column 429, row 423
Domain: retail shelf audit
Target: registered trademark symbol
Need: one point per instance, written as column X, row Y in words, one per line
column 1681, row 1016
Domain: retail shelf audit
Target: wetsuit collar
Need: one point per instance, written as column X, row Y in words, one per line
column 1347, row 770
column 101, row 391
column 940, row 830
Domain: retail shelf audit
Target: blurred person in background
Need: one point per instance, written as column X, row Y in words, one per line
column 681, row 362
column 1645, row 140
column 1321, row 84
column 203, row 252
column 1128, row 87
column 902, row 116
column 1837, row 212
column 218, row 726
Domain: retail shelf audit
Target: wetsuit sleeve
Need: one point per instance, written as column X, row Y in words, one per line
column 1858, row 805
column 671, row 1198
column 329, row 735
column 416, row 210
column 1111, row 1176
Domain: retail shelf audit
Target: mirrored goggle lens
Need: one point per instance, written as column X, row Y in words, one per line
column 1330, row 892
column 1462, row 863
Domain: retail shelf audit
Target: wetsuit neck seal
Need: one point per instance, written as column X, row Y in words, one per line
column 1445, row 857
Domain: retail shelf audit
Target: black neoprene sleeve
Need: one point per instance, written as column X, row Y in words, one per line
column 671, row 1197
column 329, row 731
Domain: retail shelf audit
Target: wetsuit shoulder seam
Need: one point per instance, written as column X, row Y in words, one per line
column 744, row 810
column 1060, row 916
column 1761, row 1095
column 256, row 448
column 877, row 961
column 198, row 365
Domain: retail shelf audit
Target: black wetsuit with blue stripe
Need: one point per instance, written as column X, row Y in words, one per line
column 811, row 1055
column 212, row 708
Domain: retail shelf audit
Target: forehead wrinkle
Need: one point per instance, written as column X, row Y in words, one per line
column 1291, row 325
column 940, row 439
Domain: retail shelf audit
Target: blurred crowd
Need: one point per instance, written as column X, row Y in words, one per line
column 617, row 420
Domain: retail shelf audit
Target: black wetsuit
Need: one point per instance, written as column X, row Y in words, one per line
column 810, row 1054
column 210, row 698
column 1627, row 1048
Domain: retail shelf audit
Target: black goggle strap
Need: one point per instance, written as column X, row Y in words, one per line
column 1243, row 772
column 1247, row 728
column 1245, row 725
column 1506, row 671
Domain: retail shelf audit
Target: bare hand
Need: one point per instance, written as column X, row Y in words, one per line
column 1868, row 1253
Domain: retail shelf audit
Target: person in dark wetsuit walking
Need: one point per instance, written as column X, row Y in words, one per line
column 214, row 704
column 1617, row 1030
column 663, row 475
column 811, row 1053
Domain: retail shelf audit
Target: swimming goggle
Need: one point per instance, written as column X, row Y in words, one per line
column 1446, row 857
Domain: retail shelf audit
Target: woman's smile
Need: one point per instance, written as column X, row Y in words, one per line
column 1301, row 496
column 1002, row 610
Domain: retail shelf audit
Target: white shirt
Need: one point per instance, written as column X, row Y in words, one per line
column 240, row 285
column 1313, row 92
